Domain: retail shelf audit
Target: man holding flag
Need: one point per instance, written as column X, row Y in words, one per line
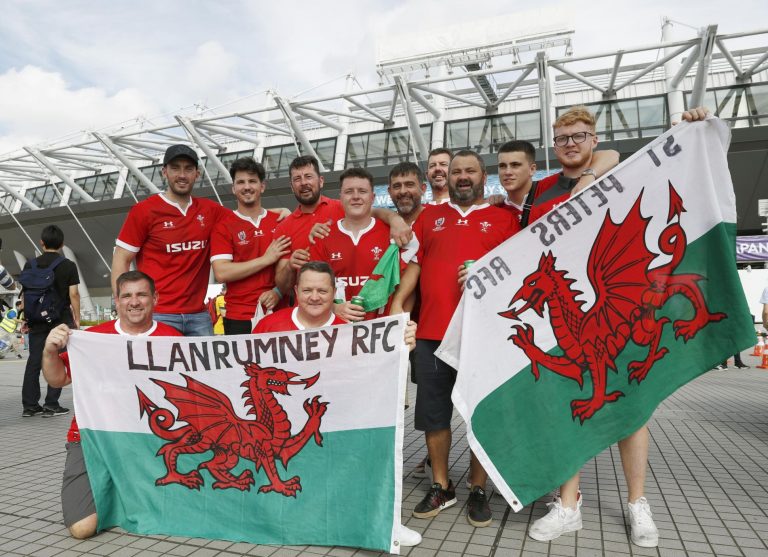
column 636, row 276
column 136, row 299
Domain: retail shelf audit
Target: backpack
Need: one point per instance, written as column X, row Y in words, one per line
column 42, row 302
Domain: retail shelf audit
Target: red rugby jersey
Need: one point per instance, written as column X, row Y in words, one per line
column 158, row 329
column 298, row 224
column 448, row 236
column 240, row 238
column 353, row 258
column 172, row 246
column 287, row 320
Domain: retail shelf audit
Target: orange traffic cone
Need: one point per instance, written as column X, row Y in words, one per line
column 759, row 347
column 764, row 365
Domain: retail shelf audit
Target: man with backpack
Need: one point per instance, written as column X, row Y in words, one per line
column 49, row 290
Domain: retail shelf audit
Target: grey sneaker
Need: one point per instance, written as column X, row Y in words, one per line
column 558, row 521
column 643, row 531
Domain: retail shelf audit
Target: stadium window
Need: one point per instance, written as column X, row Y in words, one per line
column 278, row 158
column 383, row 148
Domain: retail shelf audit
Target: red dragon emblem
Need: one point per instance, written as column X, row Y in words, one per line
column 211, row 424
column 627, row 296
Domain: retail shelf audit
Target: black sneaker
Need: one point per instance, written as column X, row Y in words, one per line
column 51, row 411
column 435, row 501
column 742, row 365
column 32, row 411
column 478, row 512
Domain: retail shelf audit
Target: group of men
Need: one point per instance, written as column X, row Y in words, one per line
column 308, row 266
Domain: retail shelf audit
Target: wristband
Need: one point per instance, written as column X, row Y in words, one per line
column 277, row 291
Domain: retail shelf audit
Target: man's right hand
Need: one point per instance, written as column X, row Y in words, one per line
column 57, row 339
column 298, row 258
column 349, row 311
column 320, row 231
column 278, row 248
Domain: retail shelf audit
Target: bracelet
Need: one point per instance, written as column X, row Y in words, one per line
column 277, row 291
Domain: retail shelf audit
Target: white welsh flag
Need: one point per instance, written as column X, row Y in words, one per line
column 571, row 333
column 291, row 438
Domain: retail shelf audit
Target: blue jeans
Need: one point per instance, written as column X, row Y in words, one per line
column 188, row 324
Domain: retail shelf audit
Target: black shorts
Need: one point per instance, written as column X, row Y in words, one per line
column 435, row 379
column 76, row 496
column 237, row 326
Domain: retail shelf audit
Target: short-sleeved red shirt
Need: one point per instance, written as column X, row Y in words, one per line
column 352, row 258
column 448, row 236
column 172, row 246
column 287, row 320
column 158, row 329
column 240, row 238
column 298, row 224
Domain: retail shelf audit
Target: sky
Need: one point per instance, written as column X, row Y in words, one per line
column 69, row 67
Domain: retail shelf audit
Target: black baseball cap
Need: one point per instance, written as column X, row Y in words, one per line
column 175, row 151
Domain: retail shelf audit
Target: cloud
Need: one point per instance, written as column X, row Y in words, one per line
column 37, row 106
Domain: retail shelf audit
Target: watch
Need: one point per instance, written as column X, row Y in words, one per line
column 589, row 172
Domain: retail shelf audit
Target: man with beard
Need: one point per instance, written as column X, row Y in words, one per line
column 437, row 174
column 313, row 209
column 406, row 188
column 449, row 234
column 244, row 250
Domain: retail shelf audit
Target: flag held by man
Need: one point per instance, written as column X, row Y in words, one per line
column 571, row 333
column 265, row 439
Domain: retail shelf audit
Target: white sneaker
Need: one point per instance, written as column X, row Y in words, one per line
column 408, row 537
column 556, row 522
column 643, row 531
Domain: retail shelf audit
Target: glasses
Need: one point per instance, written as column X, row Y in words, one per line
column 578, row 137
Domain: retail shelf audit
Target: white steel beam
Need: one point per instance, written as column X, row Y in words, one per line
column 128, row 163
column 702, row 70
column 14, row 192
column 44, row 161
column 298, row 133
column 417, row 140
column 187, row 124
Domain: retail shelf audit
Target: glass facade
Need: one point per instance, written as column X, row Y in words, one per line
column 486, row 135
column 631, row 118
column 383, row 148
column 744, row 106
column 218, row 178
column 132, row 183
column 278, row 158
column 100, row 187
column 43, row 196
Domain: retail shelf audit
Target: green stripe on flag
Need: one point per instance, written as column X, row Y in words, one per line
column 333, row 508
column 534, row 461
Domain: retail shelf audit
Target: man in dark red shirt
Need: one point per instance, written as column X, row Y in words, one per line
column 135, row 301
column 448, row 234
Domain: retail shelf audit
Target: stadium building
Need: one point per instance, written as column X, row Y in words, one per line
column 457, row 95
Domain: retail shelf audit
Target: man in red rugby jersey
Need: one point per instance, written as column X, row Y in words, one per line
column 136, row 299
column 244, row 249
column 466, row 228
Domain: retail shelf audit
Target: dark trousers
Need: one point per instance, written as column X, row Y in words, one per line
column 237, row 326
column 30, row 392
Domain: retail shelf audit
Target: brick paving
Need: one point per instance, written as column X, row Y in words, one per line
column 707, row 485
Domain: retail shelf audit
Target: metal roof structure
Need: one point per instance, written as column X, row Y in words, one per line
column 538, row 74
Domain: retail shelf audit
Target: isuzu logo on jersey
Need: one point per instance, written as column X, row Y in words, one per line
column 484, row 226
column 335, row 256
column 439, row 224
column 168, row 224
column 356, row 280
column 193, row 245
column 462, row 222
column 377, row 251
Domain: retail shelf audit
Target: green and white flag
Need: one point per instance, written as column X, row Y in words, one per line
column 269, row 439
column 383, row 280
column 571, row 333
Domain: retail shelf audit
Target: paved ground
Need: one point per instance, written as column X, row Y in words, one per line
column 708, row 487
